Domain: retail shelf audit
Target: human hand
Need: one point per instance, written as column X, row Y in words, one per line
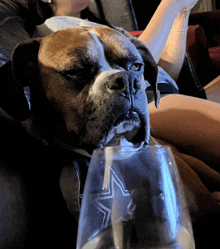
column 182, row 5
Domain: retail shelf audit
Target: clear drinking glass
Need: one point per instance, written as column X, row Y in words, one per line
column 134, row 198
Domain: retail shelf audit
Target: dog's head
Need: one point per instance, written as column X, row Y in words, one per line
column 87, row 84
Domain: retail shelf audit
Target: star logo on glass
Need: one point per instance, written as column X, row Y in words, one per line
column 115, row 202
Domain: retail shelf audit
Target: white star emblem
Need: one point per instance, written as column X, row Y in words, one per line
column 115, row 202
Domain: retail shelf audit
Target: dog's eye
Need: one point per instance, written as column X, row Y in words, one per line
column 83, row 72
column 136, row 67
column 78, row 78
column 73, row 73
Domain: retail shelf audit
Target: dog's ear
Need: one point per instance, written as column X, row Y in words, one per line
column 25, row 62
column 12, row 98
column 14, row 75
column 151, row 69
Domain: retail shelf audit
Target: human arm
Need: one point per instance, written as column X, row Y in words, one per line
column 165, row 43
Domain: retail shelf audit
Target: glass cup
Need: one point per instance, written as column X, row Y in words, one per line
column 134, row 198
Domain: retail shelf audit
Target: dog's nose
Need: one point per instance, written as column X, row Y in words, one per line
column 126, row 82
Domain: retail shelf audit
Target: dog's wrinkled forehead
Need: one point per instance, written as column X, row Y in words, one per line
column 84, row 45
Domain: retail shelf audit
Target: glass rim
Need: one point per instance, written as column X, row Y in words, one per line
column 132, row 147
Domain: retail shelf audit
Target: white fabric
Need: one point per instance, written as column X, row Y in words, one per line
column 54, row 24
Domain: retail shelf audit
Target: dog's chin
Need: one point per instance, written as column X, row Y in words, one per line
column 130, row 126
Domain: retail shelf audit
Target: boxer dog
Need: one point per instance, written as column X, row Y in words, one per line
column 87, row 86
column 91, row 86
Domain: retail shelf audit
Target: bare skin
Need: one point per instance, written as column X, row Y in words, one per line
column 68, row 7
column 191, row 122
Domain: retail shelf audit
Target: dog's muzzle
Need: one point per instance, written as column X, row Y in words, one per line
column 127, row 101
column 127, row 126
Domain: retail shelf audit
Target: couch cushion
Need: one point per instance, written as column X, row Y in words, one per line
column 214, row 54
column 196, row 34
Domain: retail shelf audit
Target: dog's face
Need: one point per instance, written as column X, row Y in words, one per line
column 87, row 85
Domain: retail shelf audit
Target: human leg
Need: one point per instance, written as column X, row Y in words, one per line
column 191, row 124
